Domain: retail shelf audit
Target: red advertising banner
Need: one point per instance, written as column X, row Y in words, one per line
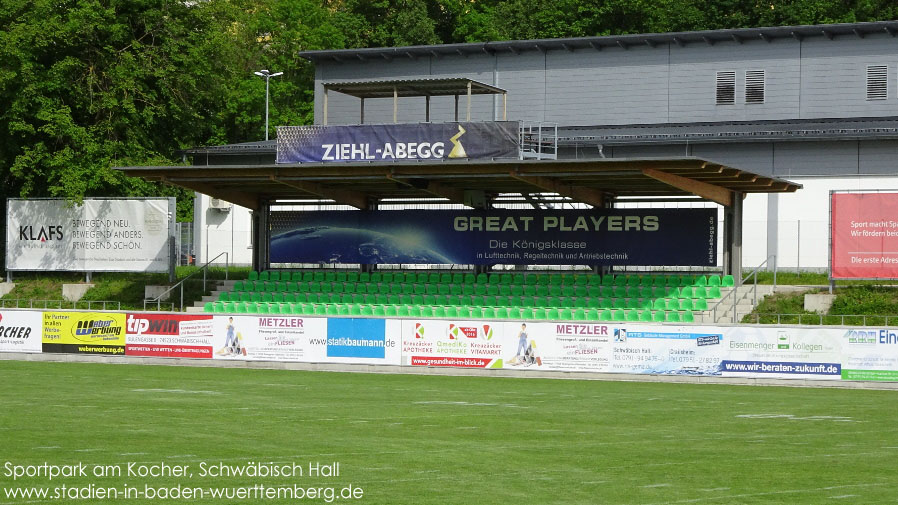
column 169, row 335
column 864, row 231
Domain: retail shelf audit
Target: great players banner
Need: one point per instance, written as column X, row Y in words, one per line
column 593, row 237
column 864, row 231
column 397, row 142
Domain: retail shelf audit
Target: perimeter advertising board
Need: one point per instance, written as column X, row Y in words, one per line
column 864, row 235
column 595, row 237
column 575, row 347
column 20, row 331
column 869, row 354
column 397, row 142
column 305, row 339
column 169, row 335
column 810, row 353
column 101, row 235
column 457, row 344
column 84, row 332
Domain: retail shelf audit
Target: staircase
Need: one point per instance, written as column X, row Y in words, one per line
column 741, row 300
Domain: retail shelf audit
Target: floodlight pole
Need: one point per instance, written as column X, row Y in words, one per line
column 265, row 74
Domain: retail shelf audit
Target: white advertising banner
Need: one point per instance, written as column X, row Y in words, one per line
column 783, row 352
column 576, row 347
column 101, row 235
column 20, row 331
column 869, row 354
column 460, row 344
column 306, row 339
column 668, row 350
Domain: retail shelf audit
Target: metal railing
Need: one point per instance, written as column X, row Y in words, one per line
column 28, row 303
column 823, row 319
column 538, row 140
column 751, row 276
column 203, row 269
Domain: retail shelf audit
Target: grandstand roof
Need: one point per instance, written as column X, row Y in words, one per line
column 362, row 184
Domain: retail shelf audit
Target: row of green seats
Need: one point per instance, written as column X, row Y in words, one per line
column 515, row 313
column 662, row 303
column 479, row 289
column 520, row 279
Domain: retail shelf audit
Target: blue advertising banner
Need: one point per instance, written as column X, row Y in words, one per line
column 356, row 338
column 649, row 237
column 396, row 142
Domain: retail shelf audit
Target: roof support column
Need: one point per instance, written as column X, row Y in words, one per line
column 325, row 106
column 261, row 236
column 456, row 108
column 504, row 106
column 362, row 112
column 427, row 108
column 732, row 233
column 395, row 104
column 468, row 115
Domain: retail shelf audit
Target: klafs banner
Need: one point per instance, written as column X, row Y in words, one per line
column 397, row 142
column 20, row 331
column 101, row 235
column 661, row 237
column 169, row 335
column 788, row 353
column 864, row 231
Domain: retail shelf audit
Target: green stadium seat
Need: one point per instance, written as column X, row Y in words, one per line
column 223, row 296
column 659, row 316
column 253, row 275
column 501, row 313
column 727, row 281
column 688, row 317
column 645, row 315
column 606, row 315
column 527, row 313
column 539, row 313
column 264, row 275
column 488, row 313
column 686, row 304
column 518, row 279
column 673, row 317
column 714, row 292
column 618, row 315
column 700, row 304
column 553, row 314
column 209, row 307
column 451, row 311
column 685, row 292
column 514, row 313
column 402, row 311
column 579, row 315
column 463, row 311
column 391, row 310
column 476, row 313
column 632, row 315
column 364, row 277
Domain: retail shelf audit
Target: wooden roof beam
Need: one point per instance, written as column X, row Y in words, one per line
column 342, row 196
column 454, row 195
column 242, row 199
column 711, row 192
column 582, row 194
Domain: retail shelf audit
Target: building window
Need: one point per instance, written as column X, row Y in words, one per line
column 754, row 86
column 726, row 88
column 877, row 82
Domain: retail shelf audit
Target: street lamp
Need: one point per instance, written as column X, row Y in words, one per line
column 265, row 74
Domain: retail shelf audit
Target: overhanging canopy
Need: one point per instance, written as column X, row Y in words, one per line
column 362, row 185
column 412, row 88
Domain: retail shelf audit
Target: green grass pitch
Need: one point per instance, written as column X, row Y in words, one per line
column 413, row 439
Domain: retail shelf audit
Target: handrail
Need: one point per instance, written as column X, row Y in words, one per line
column 820, row 318
column 753, row 274
column 58, row 304
column 203, row 269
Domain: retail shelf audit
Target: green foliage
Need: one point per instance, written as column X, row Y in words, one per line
column 853, row 305
column 87, row 85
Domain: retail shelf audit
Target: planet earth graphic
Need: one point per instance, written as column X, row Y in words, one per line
column 331, row 244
